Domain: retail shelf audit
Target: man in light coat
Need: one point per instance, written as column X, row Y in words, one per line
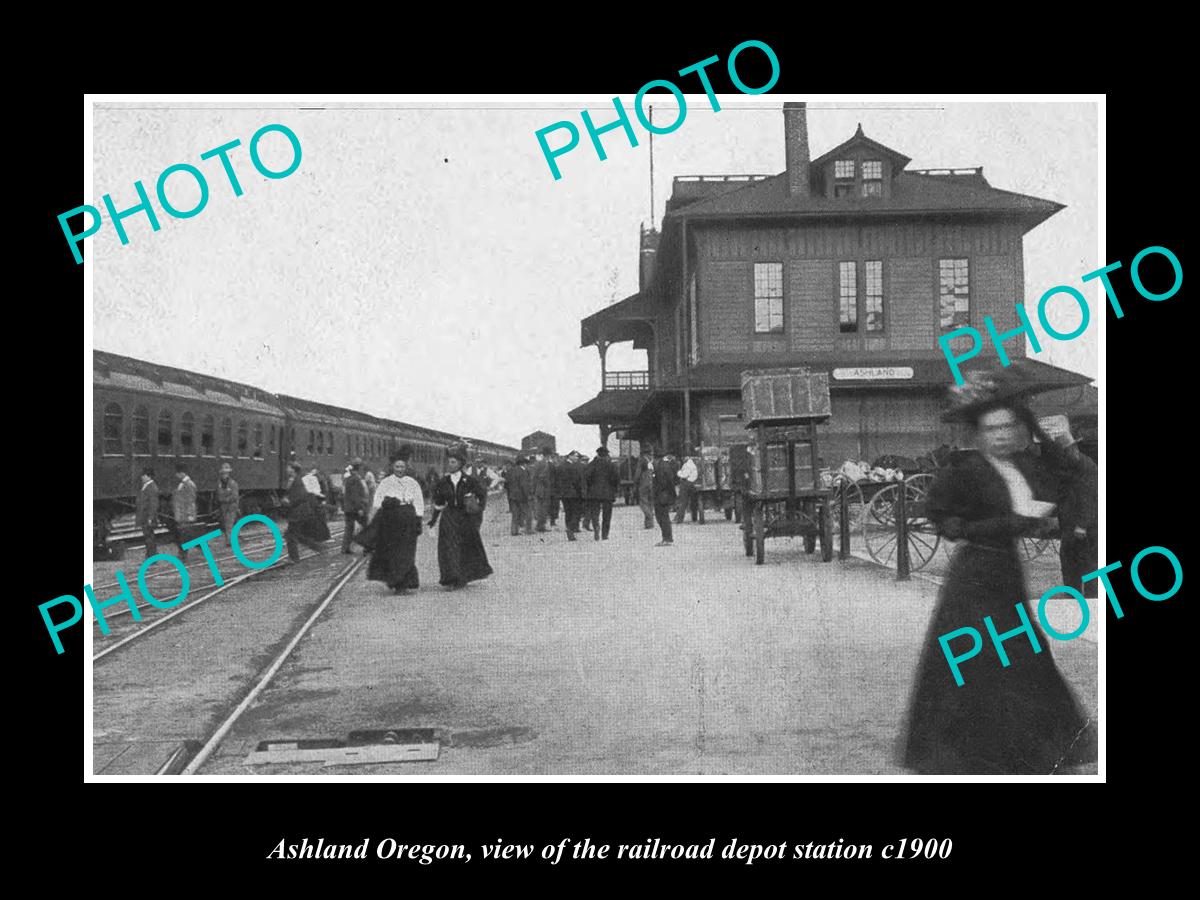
column 183, row 508
column 689, row 497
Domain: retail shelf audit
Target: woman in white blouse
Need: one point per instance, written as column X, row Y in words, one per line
column 397, row 510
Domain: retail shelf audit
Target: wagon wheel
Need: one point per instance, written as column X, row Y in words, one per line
column 760, row 534
column 879, row 529
column 879, row 526
column 923, row 537
column 854, row 505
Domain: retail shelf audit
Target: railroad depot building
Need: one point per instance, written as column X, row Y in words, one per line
column 849, row 263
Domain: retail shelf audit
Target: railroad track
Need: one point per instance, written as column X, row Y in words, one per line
column 202, row 569
column 124, row 611
column 223, row 729
column 189, row 755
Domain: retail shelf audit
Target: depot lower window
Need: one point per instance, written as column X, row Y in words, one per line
column 768, row 298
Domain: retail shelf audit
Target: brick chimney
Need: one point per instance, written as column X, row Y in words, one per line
column 795, row 133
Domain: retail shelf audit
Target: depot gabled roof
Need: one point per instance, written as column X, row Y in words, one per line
column 911, row 194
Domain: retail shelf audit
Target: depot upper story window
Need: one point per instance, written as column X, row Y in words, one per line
column 872, row 178
column 843, row 178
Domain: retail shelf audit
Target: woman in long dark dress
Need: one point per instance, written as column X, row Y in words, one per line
column 306, row 516
column 461, row 557
column 397, row 511
column 1023, row 718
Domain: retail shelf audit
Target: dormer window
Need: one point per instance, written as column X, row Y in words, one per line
column 872, row 173
column 843, row 178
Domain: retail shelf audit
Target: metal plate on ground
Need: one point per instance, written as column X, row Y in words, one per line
column 382, row 753
column 396, row 745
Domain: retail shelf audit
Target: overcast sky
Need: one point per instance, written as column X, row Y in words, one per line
column 422, row 264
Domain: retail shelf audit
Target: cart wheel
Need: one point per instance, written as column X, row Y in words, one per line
column 826, row 520
column 923, row 537
column 760, row 535
column 879, row 528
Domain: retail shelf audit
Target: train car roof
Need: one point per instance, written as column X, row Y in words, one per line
column 113, row 370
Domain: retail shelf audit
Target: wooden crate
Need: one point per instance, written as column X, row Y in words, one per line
column 784, row 394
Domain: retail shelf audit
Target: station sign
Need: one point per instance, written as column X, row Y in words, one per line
column 873, row 374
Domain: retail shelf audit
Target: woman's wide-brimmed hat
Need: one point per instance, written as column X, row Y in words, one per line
column 987, row 389
column 459, row 452
column 404, row 452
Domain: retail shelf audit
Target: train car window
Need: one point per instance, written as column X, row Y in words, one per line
column 141, row 431
column 272, row 438
column 243, row 443
column 208, row 443
column 258, row 440
column 227, row 436
column 320, row 441
column 166, row 433
column 114, row 427
column 187, row 434
column 312, row 440
column 329, row 443
column 292, row 444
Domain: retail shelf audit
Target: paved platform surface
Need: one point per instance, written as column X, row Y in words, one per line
column 619, row 657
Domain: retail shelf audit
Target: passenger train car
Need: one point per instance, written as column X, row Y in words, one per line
column 147, row 414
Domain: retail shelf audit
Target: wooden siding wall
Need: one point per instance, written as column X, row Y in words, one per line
column 864, row 424
column 910, row 251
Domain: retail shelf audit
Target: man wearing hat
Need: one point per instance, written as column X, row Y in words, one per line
column 643, row 480
column 664, row 497
column 569, row 478
column 689, row 498
column 603, row 480
column 228, row 500
column 354, row 503
column 183, row 505
column 542, row 476
column 519, row 484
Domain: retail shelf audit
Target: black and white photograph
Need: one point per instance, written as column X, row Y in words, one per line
column 581, row 437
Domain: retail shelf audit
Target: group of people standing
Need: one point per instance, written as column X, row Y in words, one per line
column 664, row 484
column 536, row 486
column 183, row 519
column 539, row 484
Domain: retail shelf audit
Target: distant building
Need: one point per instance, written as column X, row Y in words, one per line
column 536, row 441
column 849, row 263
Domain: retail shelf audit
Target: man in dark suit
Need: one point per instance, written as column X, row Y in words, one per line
column 147, row 510
column 568, row 481
column 664, row 497
column 603, row 480
column 542, row 477
column 519, row 484
column 643, row 485
column 1077, row 511
column 354, row 503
